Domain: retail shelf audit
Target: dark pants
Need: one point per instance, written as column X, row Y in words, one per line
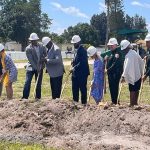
column 136, row 87
column 56, row 84
column 113, row 80
column 79, row 83
column 29, row 76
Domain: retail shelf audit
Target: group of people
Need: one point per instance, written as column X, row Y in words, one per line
column 122, row 63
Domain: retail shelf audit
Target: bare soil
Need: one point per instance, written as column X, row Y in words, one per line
column 63, row 125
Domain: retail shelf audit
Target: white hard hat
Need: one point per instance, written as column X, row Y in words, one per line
column 1, row 47
column 124, row 44
column 46, row 40
column 112, row 41
column 75, row 39
column 91, row 51
column 33, row 37
column 147, row 38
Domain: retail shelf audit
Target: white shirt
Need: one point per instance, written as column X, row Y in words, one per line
column 133, row 67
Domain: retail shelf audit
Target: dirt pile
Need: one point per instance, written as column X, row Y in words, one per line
column 64, row 125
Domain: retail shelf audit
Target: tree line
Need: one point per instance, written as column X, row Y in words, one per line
column 18, row 18
column 95, row 32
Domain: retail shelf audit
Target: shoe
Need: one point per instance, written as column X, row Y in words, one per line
column 23, row 99
column 37, row 99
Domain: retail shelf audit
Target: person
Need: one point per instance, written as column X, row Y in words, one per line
column 114, row 68
column 133, row 71
column 1, row 73
column 80, row 71
column 54, row 66
column 9, row 72
column 138, row 48
column 97, row 84
column 147, row 73
column 34, row 52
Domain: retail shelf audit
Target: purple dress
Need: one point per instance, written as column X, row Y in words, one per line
column 98, row 80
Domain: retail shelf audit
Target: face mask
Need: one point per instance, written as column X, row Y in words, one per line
column 76, row 46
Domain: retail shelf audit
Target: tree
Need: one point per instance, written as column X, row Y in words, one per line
column 99, row 22
column 139, row 22
column 19, row 18
column 87, row 33
column 116, row 17
column 128, row 22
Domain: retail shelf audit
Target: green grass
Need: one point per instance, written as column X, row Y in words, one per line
column 67, row 94
column 19, row 146
column 20, row 61
column 25, row 61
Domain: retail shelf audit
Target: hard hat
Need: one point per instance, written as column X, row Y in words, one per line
column 91, row 51
column 124, row 44
column 147, row 38
column 112, row 41
column 1, row 47
column 33, row 37
column 46, row 40
column 75, row 39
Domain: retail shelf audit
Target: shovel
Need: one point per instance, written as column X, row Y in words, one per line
column 36, row 83
column 67, row 77
column 142, row 83
column 120, row 89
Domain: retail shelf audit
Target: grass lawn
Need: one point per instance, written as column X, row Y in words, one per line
column 19, row 146
column 67, row 94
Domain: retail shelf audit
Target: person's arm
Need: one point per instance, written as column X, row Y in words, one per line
column 117, row 63
column 30, row 59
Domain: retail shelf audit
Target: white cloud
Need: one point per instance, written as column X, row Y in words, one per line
column 102, row 6
column 57, row 28
column 148, row 27
column 137, row 3
column 70, row 10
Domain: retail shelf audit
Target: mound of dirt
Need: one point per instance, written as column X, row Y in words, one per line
column 74, row 127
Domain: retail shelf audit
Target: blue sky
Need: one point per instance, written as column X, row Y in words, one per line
column 67, row 13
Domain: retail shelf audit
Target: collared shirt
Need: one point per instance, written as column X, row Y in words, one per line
column 133, row 67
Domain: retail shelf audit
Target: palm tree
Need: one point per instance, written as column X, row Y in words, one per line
column 107, row 3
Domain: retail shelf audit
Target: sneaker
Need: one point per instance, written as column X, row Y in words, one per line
column 23, row 99
column 37, row 99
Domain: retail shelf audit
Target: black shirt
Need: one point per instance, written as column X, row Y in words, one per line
column 114, row 64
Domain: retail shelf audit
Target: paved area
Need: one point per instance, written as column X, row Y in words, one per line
column 66, row 63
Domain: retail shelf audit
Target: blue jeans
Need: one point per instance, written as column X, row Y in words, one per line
column 29, row 76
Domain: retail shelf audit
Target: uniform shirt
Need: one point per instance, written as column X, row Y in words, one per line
column 114, row 64
column 133, row 67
